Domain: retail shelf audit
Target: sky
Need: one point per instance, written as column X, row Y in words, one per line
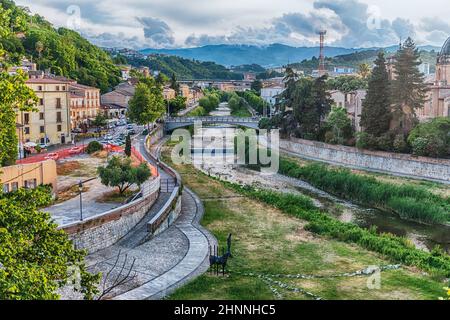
column 142, row 24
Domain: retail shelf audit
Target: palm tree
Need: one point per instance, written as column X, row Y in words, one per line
column 364, row 70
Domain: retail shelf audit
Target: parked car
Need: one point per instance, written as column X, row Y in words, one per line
column 52, row 156
column 131, row 131
column 75, row 150
column 130, row 126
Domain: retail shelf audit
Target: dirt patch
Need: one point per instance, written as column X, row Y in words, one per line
column 66, row 168
column 70, row 193
column 115, row 197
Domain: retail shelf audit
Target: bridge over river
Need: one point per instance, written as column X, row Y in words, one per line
column 180, row 122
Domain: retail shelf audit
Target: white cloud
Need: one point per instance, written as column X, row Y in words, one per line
column 171, row 23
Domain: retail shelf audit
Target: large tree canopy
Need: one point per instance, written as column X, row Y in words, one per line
column 35, row 257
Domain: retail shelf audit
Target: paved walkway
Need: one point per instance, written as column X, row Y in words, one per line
column 161, row 264
column 69, row 211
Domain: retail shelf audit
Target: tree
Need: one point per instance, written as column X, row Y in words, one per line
column 174, row 84
column 36, row 257
column 121, row 174
column 408, row 87
column 364, row 70
column 100, row 121
column 15, row 96
column 161, row 79
column 376, row 109
column 257, row 86
column 290, row 81
column 177, row 104
column 339, row 125
column 147, row 105
column 128, row 146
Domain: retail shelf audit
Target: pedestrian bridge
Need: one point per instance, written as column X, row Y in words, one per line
column 180, row 122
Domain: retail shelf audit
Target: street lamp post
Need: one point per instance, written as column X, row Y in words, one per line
column 80, row 188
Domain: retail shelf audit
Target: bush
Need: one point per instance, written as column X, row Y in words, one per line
column 400, row 144
column 369, row 191
column 419, row 146
column 431, row 138
column 366, row 141
column 93, row 147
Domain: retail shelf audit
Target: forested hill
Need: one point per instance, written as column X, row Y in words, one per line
column 62, row 51
column 186, row 69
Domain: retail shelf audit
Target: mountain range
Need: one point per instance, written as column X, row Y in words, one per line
column 266, row 56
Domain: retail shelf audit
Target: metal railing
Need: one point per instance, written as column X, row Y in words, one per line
column 213, row 119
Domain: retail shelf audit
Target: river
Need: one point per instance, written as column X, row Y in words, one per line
column 216, row 156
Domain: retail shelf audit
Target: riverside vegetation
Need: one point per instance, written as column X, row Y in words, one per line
column 409, row 201
column 295, row 237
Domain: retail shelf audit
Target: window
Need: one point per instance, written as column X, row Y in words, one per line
column 57, row 88
column 39, row 88
column 41, row 102
column 41, row 116
column 30, row 184
column 59, row 128
column 27, row 130
column 26, row 118
column 6, row 188
column 58, row 102
column 58, row 117
column 64, row 88
column 14, row 186
column 42, row 129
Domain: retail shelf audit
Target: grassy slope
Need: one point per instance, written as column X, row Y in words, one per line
column 268, row 241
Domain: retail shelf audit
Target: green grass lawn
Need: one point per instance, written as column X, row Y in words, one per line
column 267, row 241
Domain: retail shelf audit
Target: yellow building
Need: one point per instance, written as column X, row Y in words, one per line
column 50, row 125
column 84, row 104
column 29, row 176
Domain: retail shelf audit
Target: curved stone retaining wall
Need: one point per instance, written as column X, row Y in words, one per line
column 170, row 212
column 101, row 231
column 392, row 163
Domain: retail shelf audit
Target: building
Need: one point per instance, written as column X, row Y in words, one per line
column 343, row 71
column 84, row 104
column 25, row 65
column 50, row 125
column 249, row 76
column 125, row 71
column 438, row 99
column 113, row 110
column 169, row 93
column 270, row 94
column 120, row 96
column 29, row 176
column 352, row 102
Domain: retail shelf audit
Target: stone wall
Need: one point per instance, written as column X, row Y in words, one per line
column 105, row 229
column 385, row 162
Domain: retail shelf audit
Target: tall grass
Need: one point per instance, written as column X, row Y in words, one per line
column 409, row 201
column 397, row 249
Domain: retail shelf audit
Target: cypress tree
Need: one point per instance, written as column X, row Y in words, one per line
column 376, row 110
column 128, row 146
column 408, row 87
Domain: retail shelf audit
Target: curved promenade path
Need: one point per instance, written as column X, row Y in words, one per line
column 163, row 263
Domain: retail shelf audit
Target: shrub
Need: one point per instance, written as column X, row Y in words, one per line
column 399, row 144
column 366, row 141
column 431, row 138
column 419, row 146
column 424, row 206
column 93, row 147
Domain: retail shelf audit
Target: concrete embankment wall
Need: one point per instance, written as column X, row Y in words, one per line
column 385, row 162
column 101, row 231
column 170, row 212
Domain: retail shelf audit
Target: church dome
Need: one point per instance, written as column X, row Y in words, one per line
column 445, row 51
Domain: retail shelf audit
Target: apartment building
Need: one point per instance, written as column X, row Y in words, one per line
column 84, row 104
column 50, row 124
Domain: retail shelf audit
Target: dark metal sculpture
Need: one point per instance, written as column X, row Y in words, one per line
column 217, row 261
